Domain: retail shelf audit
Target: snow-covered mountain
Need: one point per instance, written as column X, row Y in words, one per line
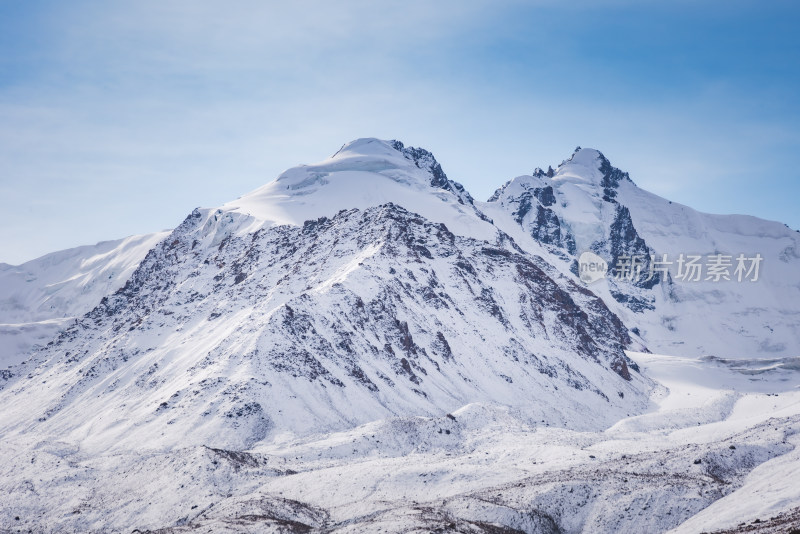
column 586, row 204
column 238, row 326
column 359, row 345
column 41, row 297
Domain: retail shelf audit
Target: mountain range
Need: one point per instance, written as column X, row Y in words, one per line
column 367, row 309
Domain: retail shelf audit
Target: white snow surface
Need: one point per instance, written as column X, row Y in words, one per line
column 41, row 297
column 705, row 457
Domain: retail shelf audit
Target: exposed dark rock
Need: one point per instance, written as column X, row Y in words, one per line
column 425, row 160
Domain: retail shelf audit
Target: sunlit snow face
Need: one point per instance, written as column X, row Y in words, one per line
column 591, row 267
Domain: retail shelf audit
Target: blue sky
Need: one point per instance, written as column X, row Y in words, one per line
column 119, row 118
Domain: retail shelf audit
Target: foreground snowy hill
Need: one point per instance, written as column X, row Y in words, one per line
column 586, row 204
column 41, row 297
column 360, row 346
column 706, row 458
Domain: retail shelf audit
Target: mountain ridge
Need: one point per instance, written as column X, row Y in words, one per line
column 400, row 347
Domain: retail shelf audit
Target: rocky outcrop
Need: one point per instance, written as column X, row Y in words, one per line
column 541, row 204
column 425, row 160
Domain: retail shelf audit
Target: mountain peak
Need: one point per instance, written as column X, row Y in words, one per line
column 390, row 159
column 363, row 173
column 585, row 167
column 590, row 165
column 584, row 156
column 366, row 146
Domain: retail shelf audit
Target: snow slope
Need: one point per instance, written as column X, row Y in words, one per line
column 588, row 205
column 41, row 297
column 705, row 457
